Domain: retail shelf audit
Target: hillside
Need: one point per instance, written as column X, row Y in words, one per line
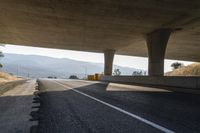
column 190, row 70
column 42, row 66
column 5, row 77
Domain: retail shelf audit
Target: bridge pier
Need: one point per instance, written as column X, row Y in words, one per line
column 108, row 61
column 157, row 42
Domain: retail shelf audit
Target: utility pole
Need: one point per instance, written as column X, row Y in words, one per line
column 17, row 69
column 85, row 71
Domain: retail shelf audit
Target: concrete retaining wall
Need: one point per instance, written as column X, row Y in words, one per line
column 183, row 82
column 9, row 85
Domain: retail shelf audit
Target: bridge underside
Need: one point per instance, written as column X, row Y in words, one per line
column 158, row 28
column 98, row 25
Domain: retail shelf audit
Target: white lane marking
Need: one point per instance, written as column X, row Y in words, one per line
column 121, row 110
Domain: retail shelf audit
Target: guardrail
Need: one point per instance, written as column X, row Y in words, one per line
column 170, row 81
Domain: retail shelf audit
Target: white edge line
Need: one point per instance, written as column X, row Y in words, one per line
column 121, row 110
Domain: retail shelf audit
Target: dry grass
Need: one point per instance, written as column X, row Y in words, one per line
column 5, row 77
column 190, row 70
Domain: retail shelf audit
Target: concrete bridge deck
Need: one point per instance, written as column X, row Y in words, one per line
column 154, row 29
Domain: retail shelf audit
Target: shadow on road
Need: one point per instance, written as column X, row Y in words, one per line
column 68, row 111
column 15, row 114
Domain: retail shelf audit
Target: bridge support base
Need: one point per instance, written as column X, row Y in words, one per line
column 108, row 61
column 157, row 42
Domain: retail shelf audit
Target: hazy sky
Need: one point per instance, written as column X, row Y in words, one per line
column 128, row 61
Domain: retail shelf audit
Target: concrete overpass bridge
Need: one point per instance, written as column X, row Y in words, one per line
column 155, row 29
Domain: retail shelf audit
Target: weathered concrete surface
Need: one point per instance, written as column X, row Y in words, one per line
column 108, row 63
column 156, row 44
column 102, row 24
column 170, row 81
column 15, row 108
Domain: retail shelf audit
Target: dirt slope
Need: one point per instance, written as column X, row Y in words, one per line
column 5, row 77
column 190, row 70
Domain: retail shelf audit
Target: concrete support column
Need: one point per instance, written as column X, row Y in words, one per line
column 108, row 61
column 157, row 43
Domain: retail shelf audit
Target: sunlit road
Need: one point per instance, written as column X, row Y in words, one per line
column 72, row 106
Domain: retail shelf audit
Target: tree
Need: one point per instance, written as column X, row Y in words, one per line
column 52, row 77
column 73, row 77
column 176, row 65
column 117, row 72
column 1, row 56
column 138, row 73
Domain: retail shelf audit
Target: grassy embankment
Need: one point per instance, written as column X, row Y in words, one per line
column 5, row 77
column 190, row 70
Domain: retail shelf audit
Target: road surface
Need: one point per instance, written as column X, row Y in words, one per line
column 74, row 106
column 15, row 108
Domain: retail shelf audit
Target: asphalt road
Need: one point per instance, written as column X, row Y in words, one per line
column 72, row 106
column 15, row 108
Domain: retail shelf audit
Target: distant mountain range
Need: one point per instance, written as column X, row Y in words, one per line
column 43, row 66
